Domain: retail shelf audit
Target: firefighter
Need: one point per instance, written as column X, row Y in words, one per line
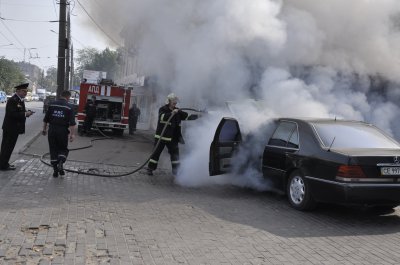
column 134, row 113
column 61, row 119
column 91, row 111
column 172, row 134
column 13, row 124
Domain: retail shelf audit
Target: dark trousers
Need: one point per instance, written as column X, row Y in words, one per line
column 173, row 151
column 7, row 146
column 132, row 125
column 88, row 123
column 58, row 144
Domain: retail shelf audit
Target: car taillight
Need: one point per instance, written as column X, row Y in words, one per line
column 350, row 172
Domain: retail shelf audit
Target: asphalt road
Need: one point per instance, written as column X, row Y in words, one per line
column 119, row 151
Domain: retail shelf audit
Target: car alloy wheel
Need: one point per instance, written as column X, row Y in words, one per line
column 299, row 193
column 297, row 190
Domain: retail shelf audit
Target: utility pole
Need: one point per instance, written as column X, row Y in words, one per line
column 67, row 57
column 72, row 67
column 62, row 43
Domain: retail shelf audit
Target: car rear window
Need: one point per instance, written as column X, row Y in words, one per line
column 353, row 135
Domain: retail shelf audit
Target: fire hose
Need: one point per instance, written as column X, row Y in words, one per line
column 108, row 137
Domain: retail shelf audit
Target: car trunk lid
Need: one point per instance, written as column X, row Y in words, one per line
column 375, row 163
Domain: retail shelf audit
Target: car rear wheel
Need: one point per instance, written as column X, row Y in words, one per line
column 299, row 193
column 383, row 208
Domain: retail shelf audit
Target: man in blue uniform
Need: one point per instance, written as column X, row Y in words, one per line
column 172, row 134
column 61, row 120
column 13, row 125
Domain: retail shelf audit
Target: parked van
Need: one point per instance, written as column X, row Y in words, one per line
column 3, row 97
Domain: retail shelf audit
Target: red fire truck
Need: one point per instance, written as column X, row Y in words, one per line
column 112, row 106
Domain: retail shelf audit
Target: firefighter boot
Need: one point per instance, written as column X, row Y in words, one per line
column 55, row 173
column 60, row 168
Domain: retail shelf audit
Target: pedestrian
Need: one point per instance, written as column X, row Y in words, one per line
column 60, row 120
column 172, row 133
column 13, row 124
column 134, row 113
column 91, row 111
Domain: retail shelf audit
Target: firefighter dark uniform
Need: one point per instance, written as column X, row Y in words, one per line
column 90, row 111
column 13, row 125
column 60, row 116
column 171, row 137
column 134, row 114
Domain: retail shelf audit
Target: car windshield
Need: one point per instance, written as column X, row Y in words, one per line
column 353, row 135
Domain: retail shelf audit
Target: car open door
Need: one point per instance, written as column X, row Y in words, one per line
column 226, row 141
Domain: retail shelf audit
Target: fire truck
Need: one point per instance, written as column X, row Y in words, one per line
column 112, row 106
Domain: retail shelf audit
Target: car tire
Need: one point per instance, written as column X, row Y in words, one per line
column 299, row 193
column 383, row 209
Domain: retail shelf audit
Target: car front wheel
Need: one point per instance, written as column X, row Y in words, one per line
column 299, row 193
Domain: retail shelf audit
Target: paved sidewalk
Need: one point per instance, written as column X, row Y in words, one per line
column 80, row 219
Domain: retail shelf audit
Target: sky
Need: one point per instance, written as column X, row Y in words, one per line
column 25, row 24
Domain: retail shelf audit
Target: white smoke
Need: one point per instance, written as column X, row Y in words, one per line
column 333, row 58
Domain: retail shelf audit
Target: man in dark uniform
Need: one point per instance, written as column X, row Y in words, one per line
column 61, row 119
column 134, row 113
column 13, row 125
column 172, row 134
column 90, row 110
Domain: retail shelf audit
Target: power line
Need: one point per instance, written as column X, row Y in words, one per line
column 5, row 36
column 94, row 21
column 73, row 7
column 2, row 19
column 23, row 5
column 55, row 9
column 20, row 45
column 23, row 49
column 15, row 37
column 23, row 20
column 83, row 45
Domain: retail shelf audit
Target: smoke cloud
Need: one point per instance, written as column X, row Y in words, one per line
column 330, row 58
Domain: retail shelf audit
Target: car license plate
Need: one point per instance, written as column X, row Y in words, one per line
column 385, row 171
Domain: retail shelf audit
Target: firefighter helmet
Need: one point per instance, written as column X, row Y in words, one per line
column 171, row 98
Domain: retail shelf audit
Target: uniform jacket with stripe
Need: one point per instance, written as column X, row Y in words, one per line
column 173, row 131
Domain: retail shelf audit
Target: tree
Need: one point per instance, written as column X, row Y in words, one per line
column 50, row 80
column 10, row 75
column 95, row 60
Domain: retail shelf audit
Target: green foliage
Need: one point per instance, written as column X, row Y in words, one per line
column 10, row 75
column 95, row 60
column 50, row 80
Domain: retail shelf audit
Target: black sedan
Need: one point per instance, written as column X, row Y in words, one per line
column 318, row 160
